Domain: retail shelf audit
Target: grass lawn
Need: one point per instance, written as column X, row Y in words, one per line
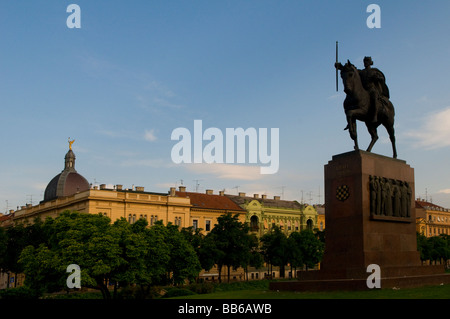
column 430, row 292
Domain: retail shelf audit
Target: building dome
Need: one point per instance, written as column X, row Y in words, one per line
column 66, row 183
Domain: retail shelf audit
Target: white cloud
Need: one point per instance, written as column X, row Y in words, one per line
column 444, row 191
column 227, row 171
column 434, row 132
column 150, row 135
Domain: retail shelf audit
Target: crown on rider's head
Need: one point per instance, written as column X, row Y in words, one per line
column 368, row 59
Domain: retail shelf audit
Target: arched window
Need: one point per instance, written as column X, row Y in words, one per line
column 309, row 224
column 254, row 223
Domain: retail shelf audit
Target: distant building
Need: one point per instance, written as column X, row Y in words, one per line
column 263, row 213
column 432, row 219
column 70, row 191
column 207, row 207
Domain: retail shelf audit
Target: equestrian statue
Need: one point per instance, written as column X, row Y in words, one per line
column 367, row 100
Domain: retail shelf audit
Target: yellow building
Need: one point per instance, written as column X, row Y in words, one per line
column 263, row 213
column 432, row 220
column 71, row 191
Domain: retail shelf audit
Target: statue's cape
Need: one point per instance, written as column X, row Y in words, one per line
column 380, row 80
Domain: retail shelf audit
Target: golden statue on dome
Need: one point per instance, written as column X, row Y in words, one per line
column 70, row 143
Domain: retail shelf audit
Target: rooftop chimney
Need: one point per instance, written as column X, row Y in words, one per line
column 276, row 197
column 102, row 186
column 139, row 188
column 119, row 187
column 182, row 188
column 263, row 196
column 209, row 191
column 255, row 195
column 221, row 193
column 172, row 191
column 241, row 194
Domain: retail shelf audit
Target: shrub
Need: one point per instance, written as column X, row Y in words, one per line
column 202, row 288
column 178, row 292
column 19, row 293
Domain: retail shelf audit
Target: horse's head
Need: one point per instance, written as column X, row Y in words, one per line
column 350, row 76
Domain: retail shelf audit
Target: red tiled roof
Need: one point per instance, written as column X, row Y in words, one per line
column 424, row 204
column 5, row 217
column 207, row 201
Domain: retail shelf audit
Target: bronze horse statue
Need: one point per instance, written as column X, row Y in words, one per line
column 357, row 106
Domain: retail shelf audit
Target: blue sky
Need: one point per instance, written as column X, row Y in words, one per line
column 137, row 70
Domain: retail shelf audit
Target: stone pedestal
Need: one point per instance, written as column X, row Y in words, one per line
column 370, row 219
column 369, row 213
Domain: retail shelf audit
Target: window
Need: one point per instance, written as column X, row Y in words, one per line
column 254, row 223
column 195, row 223
column 309, row 224
column 208, row 225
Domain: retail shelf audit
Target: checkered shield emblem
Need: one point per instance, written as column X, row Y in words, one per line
column 342, row 193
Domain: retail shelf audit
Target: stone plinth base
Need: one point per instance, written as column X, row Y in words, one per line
column 370, row 219
column 398, row 278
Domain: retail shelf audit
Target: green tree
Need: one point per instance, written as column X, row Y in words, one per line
column 422, row 247
column 39, row 268
column 158, row 255
column 3, row 243
column 252, row 256
column 228, row 242
column 275, row 247
column 311, row 248
column 295, row 251
column 183, row 260
column 133, row 251
column 17, row 240
column 439, row 248
column 74, row 238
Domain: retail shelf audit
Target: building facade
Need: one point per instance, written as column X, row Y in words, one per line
column 263, row 213
column 432, row 220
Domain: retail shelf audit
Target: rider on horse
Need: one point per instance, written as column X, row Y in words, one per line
column 374, row 81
